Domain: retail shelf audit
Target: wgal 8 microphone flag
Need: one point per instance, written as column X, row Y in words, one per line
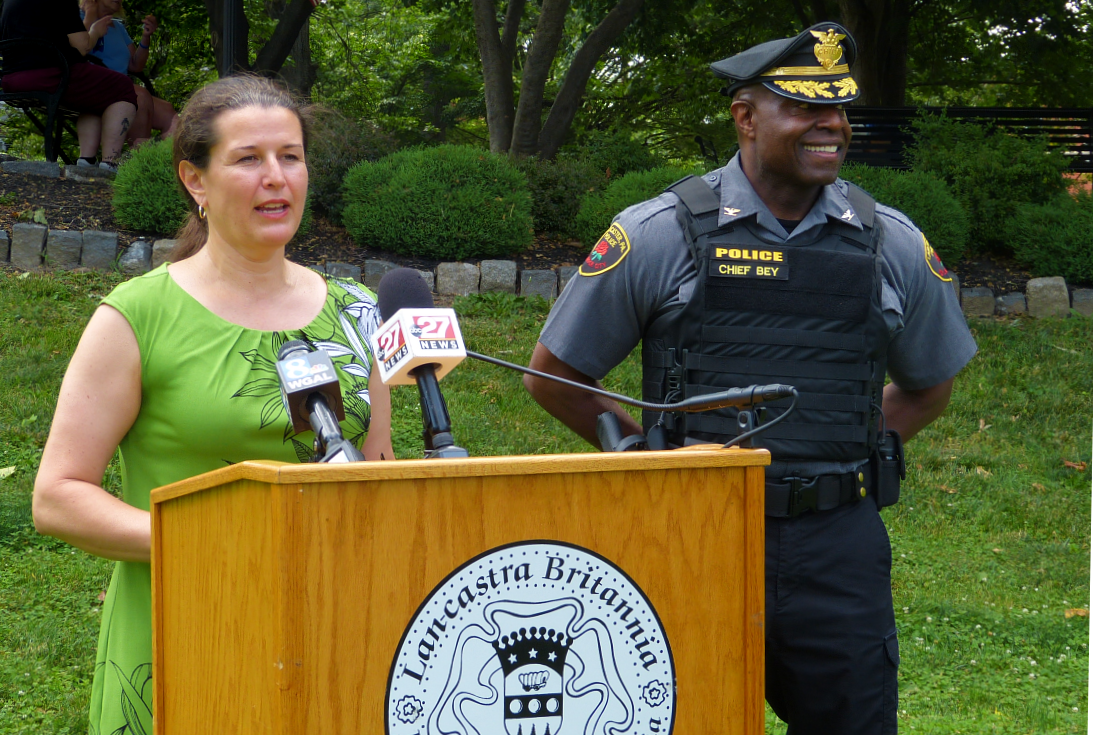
column 415, row 337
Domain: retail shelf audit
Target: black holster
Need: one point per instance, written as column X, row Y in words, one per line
column 888, row 468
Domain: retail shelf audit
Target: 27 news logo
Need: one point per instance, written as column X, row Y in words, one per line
column 434, row 332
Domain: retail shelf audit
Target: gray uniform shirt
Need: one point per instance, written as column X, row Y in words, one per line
column 599, row 319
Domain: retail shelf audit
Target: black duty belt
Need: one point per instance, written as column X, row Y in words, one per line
column 789, row 497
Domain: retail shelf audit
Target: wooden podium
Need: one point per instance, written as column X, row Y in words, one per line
column 281, row 594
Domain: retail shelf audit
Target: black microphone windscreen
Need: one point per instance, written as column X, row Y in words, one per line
column 293, row 345
column 403, row 288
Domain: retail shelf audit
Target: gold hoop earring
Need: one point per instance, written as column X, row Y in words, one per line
column 200, row 212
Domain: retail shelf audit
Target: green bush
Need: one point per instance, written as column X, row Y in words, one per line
column 336, row 145
column 599, row 208
column 557, row 188
column 924, row 198
column 613, row 154
column 1054, row 239
column 991, row 172
column 445, row 202
column 146, row 193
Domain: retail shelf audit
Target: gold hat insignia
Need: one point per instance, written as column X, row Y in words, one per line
column 828, row 51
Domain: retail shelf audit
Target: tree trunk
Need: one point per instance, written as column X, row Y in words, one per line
column 273, row 54
column 497, row 53
column 880, row 28
column 569, row 96
column 544, row 47
column 228, row 31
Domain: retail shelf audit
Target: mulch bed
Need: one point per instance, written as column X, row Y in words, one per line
column 72, row 205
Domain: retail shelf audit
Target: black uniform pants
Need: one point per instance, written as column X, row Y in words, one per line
column 832, row 653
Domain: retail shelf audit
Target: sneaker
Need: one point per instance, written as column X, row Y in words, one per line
column 85, row 162
column 109, row 166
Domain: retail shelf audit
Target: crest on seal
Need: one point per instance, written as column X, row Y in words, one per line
column 828, row 51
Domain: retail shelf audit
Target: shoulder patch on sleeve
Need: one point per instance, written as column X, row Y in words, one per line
column 612, row 247
column 934, row 262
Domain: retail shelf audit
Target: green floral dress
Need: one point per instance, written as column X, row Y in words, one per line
column 209, row 398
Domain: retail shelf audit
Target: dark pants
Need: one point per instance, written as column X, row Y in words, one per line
column 832, row 653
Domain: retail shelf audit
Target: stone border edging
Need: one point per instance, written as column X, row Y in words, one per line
column 34, row 247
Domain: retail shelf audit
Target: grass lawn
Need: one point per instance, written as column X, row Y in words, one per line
column 990, row 542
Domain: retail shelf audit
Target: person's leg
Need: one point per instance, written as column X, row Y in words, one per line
column 116, row 121
column 89, row 131
column 832, row 652
column 164, row 117
column 141, row 130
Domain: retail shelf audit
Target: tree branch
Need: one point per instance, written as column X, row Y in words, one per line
column 273, row 54
column 569, row 95
column 544, row 47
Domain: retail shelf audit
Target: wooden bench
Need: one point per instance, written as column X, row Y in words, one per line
column 882, row 134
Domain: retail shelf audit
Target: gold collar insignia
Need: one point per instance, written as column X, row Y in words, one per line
column 828, row 51
column 731, row 211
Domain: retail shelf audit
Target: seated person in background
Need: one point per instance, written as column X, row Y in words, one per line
column 118, row 53
column 92, row 90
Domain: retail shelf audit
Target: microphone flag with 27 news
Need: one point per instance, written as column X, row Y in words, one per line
column 313, row 399
column 419, row 344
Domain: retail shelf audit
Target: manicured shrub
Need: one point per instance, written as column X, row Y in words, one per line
column 557, row 188
column 924, row 198
column 338, row 144
column 613, row 154
column 146, row 192
column 444, row 202
column 991, row 172
column 599, row 208
column 1054, row 239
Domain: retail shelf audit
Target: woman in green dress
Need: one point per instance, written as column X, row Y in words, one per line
column 176, row 367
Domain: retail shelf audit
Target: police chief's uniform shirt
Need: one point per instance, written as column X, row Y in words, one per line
column 599, row 319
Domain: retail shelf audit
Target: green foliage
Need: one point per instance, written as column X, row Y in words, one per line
column 989, row 171
column 444, row 202
column 613, row 154
column 557, row 188
column 923, row 197
column 337, row 144
column 599, row 208
column 1054, row 239
column 146, row 193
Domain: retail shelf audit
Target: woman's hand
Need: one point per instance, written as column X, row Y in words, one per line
column 98, row 403
column 99, row 28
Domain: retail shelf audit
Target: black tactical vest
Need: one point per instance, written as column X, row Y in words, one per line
column 808, row 315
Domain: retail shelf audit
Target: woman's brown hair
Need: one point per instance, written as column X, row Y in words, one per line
column 195, row 136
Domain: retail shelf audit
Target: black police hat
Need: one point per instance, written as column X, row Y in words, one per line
column 813, row 67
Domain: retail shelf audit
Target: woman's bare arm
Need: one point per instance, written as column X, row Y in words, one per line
column 99, row 401
column 378, row 443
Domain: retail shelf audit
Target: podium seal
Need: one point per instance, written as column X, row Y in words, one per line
column 538, row 638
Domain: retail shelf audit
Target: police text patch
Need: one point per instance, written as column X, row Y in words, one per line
column 608, row 252
column 763, row 263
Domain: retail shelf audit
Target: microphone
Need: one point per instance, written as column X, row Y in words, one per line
column 609, row 432
column 313, row 399
column 419, row 344
column 695, row 404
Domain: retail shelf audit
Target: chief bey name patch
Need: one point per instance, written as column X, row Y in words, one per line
column 534, row 638
column 761, row 263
